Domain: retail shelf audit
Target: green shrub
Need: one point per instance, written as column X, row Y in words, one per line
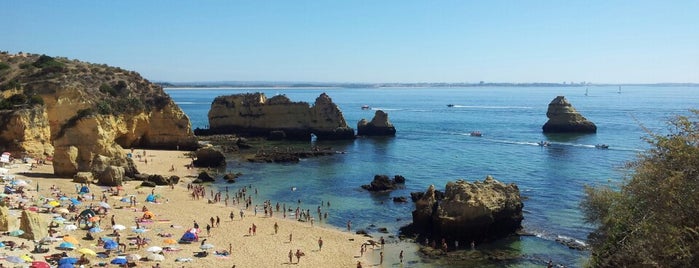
column 104, row 108
column 651, row 220
column 4, row 66
column 106, row 88
column 36, row 100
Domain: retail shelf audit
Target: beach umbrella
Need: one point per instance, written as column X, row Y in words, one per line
column 33, row 209
column 139, row 231
column 87, row 251
column 53, row 203
column 75, row 201
column 125, row 200
column 63, row 198
column 93, row 219
column 110, row 245
column 87, row 213
column 95, row 230
column 26, row 258
column 104, row 205
column 155, row 257
column 2, row 245
column 118, row 227
column 154, row 249
column 62, row 210
column 148, row 215
column 71, row 239
column 66, row 246
column 206, row 246
column 119, row 261
column 14, row 259
column 16, row 232
column 48, row 239
column 170, row 241
column 47, row 206
column 66, row 265
column 70, row 227
column 68, row 260
column 40, row 264
column 133, row 257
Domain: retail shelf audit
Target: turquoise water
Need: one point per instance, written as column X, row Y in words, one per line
column 433, row 146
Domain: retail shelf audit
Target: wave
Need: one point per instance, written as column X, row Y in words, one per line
column 554, row 143
column 386, row 109
column 188, row 102
column 565, row 240
column 490, row 107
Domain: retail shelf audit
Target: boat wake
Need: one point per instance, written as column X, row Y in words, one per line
column 570, row 242
column 490, row 107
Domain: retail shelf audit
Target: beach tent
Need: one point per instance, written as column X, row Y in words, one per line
column 150, row 198
column 189, row 237
column 88, row 213
column 84, row 189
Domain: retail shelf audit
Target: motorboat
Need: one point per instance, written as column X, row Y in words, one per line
column 365, row 107
column 543, row 143
column 601, row 146
column 476, row 134
column 450, row 105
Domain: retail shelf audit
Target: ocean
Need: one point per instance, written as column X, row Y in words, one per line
column 433, row 146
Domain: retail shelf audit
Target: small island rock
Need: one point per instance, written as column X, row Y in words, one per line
column 379, row 126
column 563, row 118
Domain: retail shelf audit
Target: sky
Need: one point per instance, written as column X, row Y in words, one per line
column 367, row 41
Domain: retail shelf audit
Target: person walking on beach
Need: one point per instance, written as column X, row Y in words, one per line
column 400, row 256
column 349, row 226
column 232, row 215
column 218, row 221
column 320, row 243
column 291, row 255
column 298, row 255
column 208, row 230
column 290, row 236
column 276, row 227
column 381, row 258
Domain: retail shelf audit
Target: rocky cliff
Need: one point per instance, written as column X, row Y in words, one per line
column 378, row 126
column 563, row 118
column 256, row 115
column 479, row 211
column 77, row 111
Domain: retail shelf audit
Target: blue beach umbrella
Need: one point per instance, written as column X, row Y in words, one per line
column 139, row 231
column 63, row 198
column 16, row 232
column 75, row 201
column 95, row 230
column 2, row 245
column 66, row 246
column 66, row 265
column 110, row 245
column 119, row 261
column 68, row 260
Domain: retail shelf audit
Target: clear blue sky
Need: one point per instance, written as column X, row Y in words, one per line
column 367, row 41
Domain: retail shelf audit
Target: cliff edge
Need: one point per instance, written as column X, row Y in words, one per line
column 75, row 111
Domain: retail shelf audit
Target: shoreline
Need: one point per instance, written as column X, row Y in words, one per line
column 176, row 211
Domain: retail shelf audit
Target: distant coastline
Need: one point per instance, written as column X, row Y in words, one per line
column 282, row 85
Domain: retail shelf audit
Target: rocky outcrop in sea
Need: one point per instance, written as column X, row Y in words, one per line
column 74, row 112
column 383, row 183
column 563, row 118
column 378, row 126
column 478, row 211
column 278, row 117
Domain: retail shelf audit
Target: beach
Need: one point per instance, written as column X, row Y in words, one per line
column 175, row 211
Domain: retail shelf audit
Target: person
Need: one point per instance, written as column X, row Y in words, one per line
column 208, row 229
column 276, row 227
column 290, row 237
column 380, row 257
column 298, row 255
column 218, row 221
column 359, row 264
column 549, row 264
column 196, row 225
column 291, row 255
column 400, row 256
column 349, row 226
column 320, row 243
column 232, row 215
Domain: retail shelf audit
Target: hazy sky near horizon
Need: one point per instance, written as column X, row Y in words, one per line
column 597, row 41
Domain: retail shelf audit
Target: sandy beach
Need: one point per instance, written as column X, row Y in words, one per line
column 175, row 211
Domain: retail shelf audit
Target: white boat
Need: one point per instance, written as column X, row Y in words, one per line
column 543, row 143
column 601, row 146
column 365, row 107
column 476, row 134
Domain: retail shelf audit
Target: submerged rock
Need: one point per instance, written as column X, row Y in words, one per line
column 383, row 183
column 563, row 118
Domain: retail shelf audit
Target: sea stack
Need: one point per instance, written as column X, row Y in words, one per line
column 563, row 118
column 76, row 112
column 253, row 114
column 479, row 211
column 379, row 126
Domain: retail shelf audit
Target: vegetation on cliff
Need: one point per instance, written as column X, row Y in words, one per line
column 651, row 220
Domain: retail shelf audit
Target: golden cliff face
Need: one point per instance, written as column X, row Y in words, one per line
column 256, row 115
column 26, row 130
column 87, row 110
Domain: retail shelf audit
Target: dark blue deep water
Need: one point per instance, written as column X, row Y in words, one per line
column 433, row 146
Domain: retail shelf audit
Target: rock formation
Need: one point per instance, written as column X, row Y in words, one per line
column 379, row 126
column 204, row 177
column 479, row 211
column 209, row 156
column 383, row 183
column 7, row 222
column 255, row 115
column 75, row 111
column 563, row 118
column 33, row 225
